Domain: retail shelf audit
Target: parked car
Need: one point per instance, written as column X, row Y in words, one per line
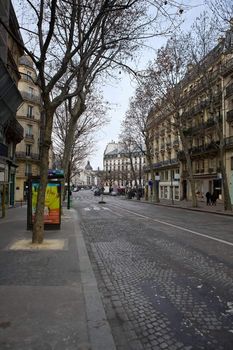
column 113, row 193
column 97, row 192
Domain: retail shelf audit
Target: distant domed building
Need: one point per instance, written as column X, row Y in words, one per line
column 88, row 167
column 87, row 177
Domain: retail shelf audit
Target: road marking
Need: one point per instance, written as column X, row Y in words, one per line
column 179, row 227
column 87, row 209
column 96, row 208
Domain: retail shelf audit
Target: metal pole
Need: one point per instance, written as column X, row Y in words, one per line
column 68, row 186
column 172, row 186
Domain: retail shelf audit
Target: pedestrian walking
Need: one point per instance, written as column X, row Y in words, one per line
column 208, row 198
column 214, row 198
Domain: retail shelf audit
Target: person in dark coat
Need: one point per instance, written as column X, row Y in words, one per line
column 214, row 198
column 208, row 198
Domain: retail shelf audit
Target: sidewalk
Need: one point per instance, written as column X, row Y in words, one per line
column 49, row 295
column 215, row 209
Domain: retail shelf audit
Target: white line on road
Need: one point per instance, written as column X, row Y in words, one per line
column 96, row 208
column 87, row 209
column 179, row 227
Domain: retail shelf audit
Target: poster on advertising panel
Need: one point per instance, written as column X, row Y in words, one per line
column 52, row 202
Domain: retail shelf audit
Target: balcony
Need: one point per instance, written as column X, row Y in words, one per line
column 3, row 150
column 30, row 97
column 162, row 132
column 14, row 130
column 217, row 97
column 185, row 174
column 175, row 144
column 29, row 138
column 29, row 116
column 28, row 173
column 162, row 147
column 209, row 123
column 188, row 131
column 181, row 155
column 227, row 68
column 24, row 155
column 166, row 163
column 27, row 77
column 229, row 142
column 229, row 90
column 230, row 116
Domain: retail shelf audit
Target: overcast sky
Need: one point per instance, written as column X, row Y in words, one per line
column 119, row 93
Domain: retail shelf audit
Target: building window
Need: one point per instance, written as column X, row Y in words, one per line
column 162, row 191
column 177, row 193
column 28, row 150
column 30, row 111
column 31, row 91
column 28, row 169
column 29, row 130
column 29, row 75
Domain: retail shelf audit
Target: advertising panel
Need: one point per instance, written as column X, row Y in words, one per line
column 52, row 202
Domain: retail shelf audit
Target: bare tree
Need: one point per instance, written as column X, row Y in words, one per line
column 137, row 125
column 222, row 11
column 89, row 122
column 72, row 42
column 168, row 76
column 130, row 148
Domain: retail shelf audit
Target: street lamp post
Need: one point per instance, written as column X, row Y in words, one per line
column 68, row 185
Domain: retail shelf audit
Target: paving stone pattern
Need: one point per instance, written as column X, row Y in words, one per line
column 157, row 292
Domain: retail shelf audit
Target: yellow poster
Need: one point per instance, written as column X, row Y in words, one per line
column 52, row 202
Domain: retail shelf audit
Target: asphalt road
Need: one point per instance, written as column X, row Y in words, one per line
column 165, row 274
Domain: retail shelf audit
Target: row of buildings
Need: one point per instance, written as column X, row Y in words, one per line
column 21, row 112
column 206, row 123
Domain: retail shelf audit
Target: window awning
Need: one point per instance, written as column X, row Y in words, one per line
column 10, row 97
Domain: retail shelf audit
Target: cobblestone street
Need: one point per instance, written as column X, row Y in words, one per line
column 162, row 289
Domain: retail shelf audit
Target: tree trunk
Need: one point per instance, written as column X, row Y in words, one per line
column 189, row 167
column 38, row 226
column 155, row 194
column 226, row 194
column 74, row 116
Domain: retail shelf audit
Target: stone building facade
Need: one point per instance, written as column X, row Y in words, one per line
column 207, row 115
column 120, row 165
column 30, row 117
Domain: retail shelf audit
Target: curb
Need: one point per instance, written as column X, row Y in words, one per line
column 183, row 208
column 98, row 326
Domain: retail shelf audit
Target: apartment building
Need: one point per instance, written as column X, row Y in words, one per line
column 29, row 116
column 11, row 132
column 166, row 166
column 207, row 115
column 123, row 167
